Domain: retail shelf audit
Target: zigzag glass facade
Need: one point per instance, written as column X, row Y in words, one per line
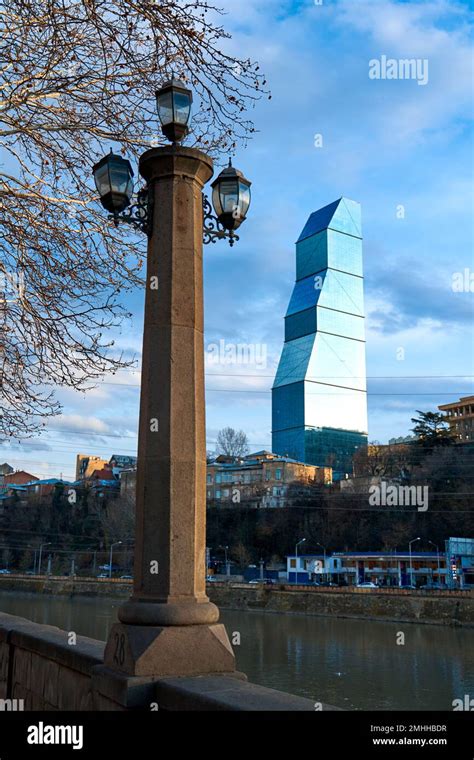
column 319, row 401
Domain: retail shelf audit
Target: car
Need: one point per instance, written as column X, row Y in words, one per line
column 103, row 575
column 5, row 572
column 367, row 584
column 127, row 577
column 256, row 580
column 211, row 579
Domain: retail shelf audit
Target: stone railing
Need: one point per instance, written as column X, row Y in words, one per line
column 45, row 668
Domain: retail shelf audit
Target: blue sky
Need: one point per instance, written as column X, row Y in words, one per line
column 385, row 143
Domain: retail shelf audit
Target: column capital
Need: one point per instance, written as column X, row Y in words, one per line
column 171, row 160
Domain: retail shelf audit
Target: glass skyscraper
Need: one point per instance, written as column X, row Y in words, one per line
column 319, row 397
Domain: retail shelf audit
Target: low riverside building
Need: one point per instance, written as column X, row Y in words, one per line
column 452, row 568
column 261, row 479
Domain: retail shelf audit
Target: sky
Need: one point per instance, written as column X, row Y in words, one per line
column 401, row 147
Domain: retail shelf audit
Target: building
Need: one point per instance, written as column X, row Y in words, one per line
column 319, row 399
column 260, row 480
column 128, row 482
column 18, row 478
column 118, row 462
column 383, row 568
column 460, row 417
column 44, row 487
column 87, row 463
column 305, row 568
column 460, row 556
column 5, row 469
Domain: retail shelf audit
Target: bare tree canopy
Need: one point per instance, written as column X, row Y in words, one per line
column 75, row 77
column 232, row 443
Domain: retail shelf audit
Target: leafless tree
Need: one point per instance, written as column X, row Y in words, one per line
column 232, row 443
column 76, row 77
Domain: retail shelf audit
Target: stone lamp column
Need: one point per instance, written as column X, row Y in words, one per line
column 169, row 627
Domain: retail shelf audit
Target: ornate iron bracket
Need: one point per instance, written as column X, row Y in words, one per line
column 139, row 214
column 212, row 229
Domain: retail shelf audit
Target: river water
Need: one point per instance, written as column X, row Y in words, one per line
column 353, row 664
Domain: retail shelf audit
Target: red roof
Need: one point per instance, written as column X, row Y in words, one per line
column 103, row 475
column 19, row 478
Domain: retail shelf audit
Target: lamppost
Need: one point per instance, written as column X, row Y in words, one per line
column 324, row 550
column 296, row 556
column 169, row 595
column 117, row 543
column 437, row 556
column 411, row 566
column 40, row 554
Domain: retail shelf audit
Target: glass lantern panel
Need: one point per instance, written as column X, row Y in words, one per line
column 182, row 107
column 244, row 198
column 102, row 180
column 165, row 108
column 229, row 195
column 121, row 179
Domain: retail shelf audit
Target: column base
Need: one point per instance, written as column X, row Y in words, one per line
column 188, row 650
column 137, row 612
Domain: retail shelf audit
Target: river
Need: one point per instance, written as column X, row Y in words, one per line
column 353, row 664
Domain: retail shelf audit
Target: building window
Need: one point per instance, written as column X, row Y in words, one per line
column 247, row 477
column 218, row 494
column 293, row 564
column 278, row 474
column 209, row 478
column 225, row 492
column 218, row 477
column 209, row 494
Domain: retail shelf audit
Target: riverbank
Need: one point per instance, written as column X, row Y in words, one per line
column 452, row 608
column 448, row 608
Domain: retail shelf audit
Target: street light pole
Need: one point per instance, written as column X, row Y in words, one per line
column 411, row 566
column 296, row 556
column 169, row 594
column 169, row 626
column 117, row 543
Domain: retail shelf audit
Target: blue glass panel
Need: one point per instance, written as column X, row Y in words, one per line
column 346, row 217
column 338, row 323
column 337, row 361
column 294, row 360
column 341, row 291
column 311, row 255
column 332, row 448
column 301, row 323
column 288, row 407
column 344, row 252
column 289, row 443
column 319, row 220
column 305, row 293
column 333, row 406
